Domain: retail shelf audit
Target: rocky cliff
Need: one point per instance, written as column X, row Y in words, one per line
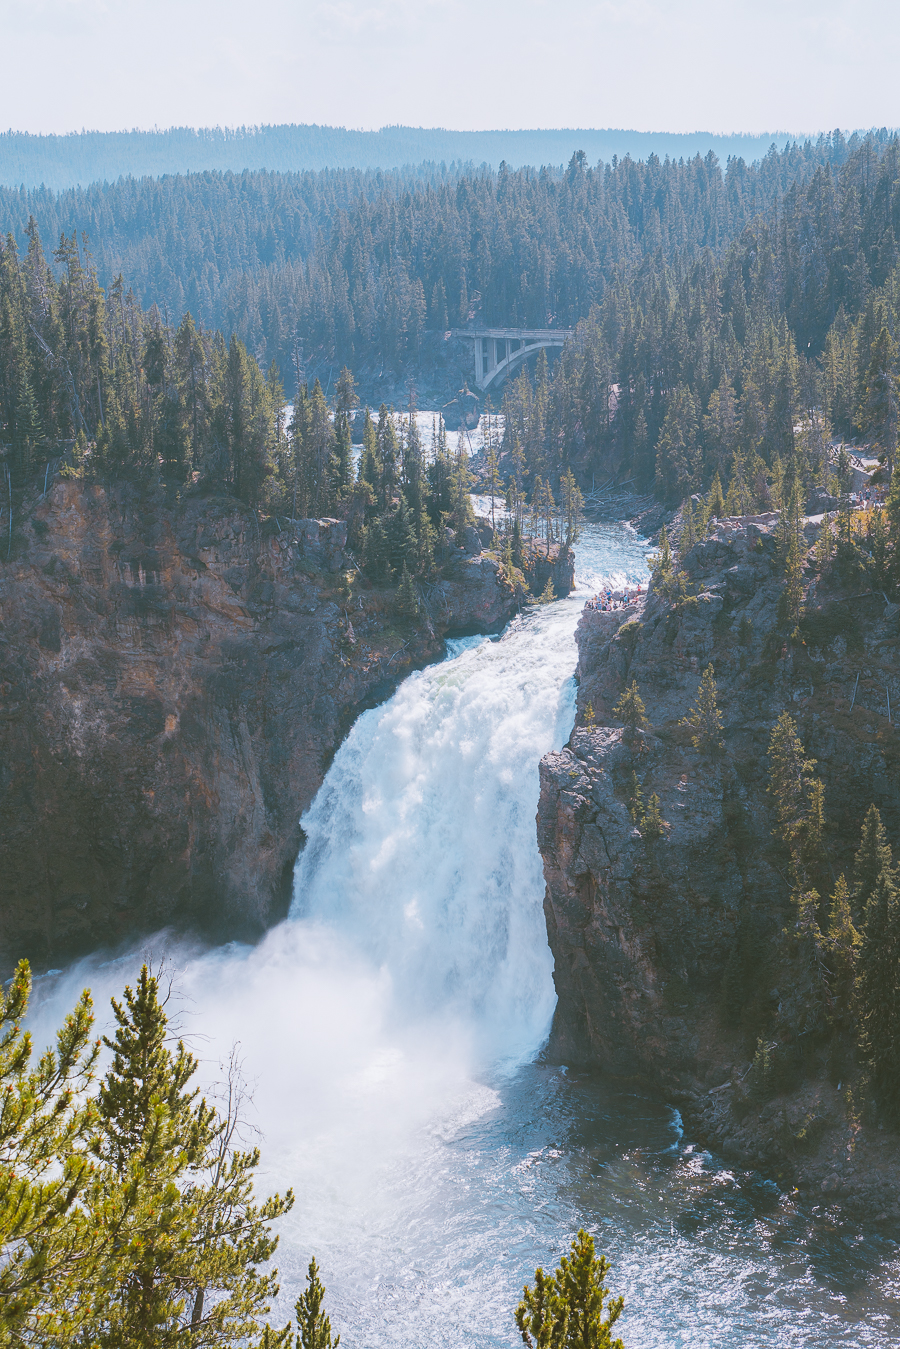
column 665, row 947
column 174, row 680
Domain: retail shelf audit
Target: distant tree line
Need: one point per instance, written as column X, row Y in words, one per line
column 354, row 267
column 726, row 324
column 84, row 157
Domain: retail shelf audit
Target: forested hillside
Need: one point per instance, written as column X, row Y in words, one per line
column 729, row 368
column 95, row 388
column 725, row 320
column 357, row 266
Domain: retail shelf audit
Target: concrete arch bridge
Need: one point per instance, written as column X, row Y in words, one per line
column 499, row 351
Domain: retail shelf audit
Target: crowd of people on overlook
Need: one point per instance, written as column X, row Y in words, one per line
column 607, row 600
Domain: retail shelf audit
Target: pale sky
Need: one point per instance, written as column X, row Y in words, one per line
column 650, row 65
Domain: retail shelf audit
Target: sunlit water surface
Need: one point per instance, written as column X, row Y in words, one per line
column 390, row 1031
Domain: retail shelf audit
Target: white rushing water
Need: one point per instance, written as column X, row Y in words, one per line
column 390, row 1030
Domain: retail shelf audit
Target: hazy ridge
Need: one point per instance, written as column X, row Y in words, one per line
column 82, row 157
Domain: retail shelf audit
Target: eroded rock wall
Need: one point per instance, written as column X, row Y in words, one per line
column 642, row 931
column 174, row 680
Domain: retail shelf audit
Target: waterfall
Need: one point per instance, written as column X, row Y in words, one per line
column 421, row 843
column 389, row 1030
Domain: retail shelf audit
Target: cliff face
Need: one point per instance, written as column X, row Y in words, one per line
column 652, row 938
column 173, row 683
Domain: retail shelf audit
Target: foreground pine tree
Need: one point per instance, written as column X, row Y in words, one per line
column 565, row 1310
column 171, row 1201
column 313, row 1326
column 44, row 1240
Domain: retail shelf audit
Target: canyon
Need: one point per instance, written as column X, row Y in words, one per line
column 175, row 676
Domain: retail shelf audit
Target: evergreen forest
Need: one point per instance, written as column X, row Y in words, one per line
column 724, row 320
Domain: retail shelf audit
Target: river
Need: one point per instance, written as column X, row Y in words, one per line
column 391, row 1030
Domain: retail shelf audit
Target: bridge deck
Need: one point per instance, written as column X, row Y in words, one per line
column 516, row 334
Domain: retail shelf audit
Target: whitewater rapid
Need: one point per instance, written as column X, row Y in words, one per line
column 390, row 1032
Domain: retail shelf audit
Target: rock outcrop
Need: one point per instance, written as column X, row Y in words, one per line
column 644, row 931
column 174, row 680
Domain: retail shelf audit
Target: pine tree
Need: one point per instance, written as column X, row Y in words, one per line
column 798, row 797
column 811, row 990
column 661, row 565
column 404, row 544
column 388, row 454
column 678, row 447
column 704, row 718
column 715, row 499
column 46, row 1246
column 631, row 711
column 688, row 536
column 370, row 466
column 892, row 511
column 247, row 423
column 573, row 506
column 825, row 544
column 879, row 992
column 407, row 600
column 376, row 550
column 719, row 432
column 842, row 945
column 741, row 498
column 461, row 512
column 879, row 411
column 191, row 377
column 635, row 799
column 565, row 1310
column 494, row 483
column 343, row 455
column 313, row 1326
column 548, row 594
column 873, row 859
column 790, row 601
column 172, row 1200
column 652, row 825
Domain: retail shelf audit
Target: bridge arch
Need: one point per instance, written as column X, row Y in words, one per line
column 514, row 360
column 498, row 351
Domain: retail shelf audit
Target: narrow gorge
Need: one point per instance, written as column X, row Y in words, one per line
column 175, row 679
